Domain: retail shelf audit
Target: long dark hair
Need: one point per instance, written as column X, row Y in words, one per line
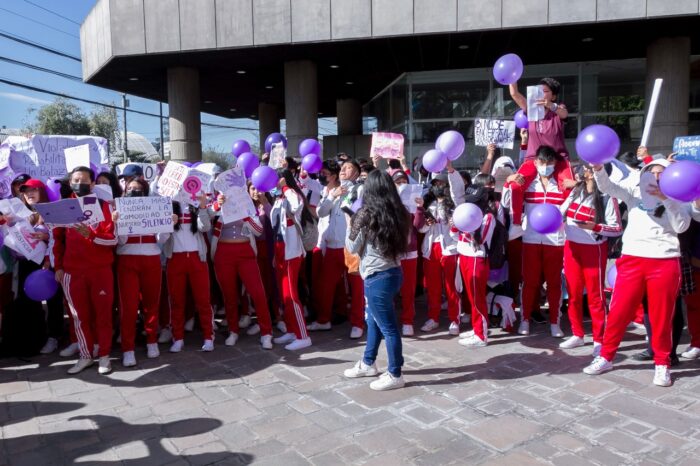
column 598, row 203
column 288, row 176
column 383, row 217
column 447, row 203
column 177, row 210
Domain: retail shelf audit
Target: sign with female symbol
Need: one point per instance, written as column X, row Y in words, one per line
column 192, row 185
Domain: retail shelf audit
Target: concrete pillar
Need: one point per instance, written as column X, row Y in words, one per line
column 268, row 121
column 669, row 58
column 300, row 102
column 349, row 113
column 185, row 122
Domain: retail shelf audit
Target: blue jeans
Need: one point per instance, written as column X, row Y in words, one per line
column 380, row 290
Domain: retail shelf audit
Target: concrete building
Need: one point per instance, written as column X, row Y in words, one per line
column 417, row 67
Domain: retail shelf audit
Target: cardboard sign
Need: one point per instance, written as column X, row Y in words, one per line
column 687, row 148
column 499, row 132
column 144, row 215
column 68, row 212
column 78, row 156
column 387, row 145
column 170, row 183
column 535, row 112
column 150, row 170
column 238, row 205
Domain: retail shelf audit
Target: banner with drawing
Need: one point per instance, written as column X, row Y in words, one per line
column 387, row 145
column 18, row 233
column 238, row 204
column 66, row 212
column 499, row 132
column 144, row 215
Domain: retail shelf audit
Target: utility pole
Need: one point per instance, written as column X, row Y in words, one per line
column 125, row 103
column 162, row 142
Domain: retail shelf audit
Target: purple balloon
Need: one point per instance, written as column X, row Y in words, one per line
column 274, row 138
column 309, row 146
column 312, row 163
column 544, row 219
column 239, row 147
column 264, row 178
column 248, row 162
column 467, row 217
column 187, row 164
column 597, row 144
column 434, row 161
column 681, row 181
column 612, row 276
column 451, row 143
column 508, row 69
column 521, row 120
column 196, row 164
column 40, row 285
column 53, row 189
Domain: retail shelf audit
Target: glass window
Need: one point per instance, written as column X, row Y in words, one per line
column 449, row 100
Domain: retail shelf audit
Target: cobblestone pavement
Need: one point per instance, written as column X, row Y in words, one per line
column 520, row 401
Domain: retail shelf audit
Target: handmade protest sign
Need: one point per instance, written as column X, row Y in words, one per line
column 86, row 209
column 535, row 112
column 170, row 183
column 205, row 179
column 103, row 192
column 687, row 148
column 144, row 215
column 150, row 170
column 409, row 193
column 277, row 156
column 15, row 208
column 230, row 179
column 499, row 132
column 19, row 237
column 77, row 156
column 387, row 145
column 238, row 204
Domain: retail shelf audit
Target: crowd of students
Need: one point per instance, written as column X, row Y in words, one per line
column 341, row 244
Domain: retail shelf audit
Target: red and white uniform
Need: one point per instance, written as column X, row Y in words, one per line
column 585, row 257
column 409, row 267
column 312, row 190
column 88, row 281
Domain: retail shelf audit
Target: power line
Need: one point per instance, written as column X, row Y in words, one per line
column 39, row 22
column 39, row 68
column 36, row 45
column 52, row 12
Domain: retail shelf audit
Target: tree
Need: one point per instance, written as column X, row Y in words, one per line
column 216, row 155
column 103, row 122
column 60, row 117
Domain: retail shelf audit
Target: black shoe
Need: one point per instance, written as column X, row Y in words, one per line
column 643, row 356
column 538, row 317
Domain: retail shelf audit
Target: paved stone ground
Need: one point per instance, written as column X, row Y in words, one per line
column 519, row 401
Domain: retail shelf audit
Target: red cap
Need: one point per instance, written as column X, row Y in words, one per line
column 32, row 183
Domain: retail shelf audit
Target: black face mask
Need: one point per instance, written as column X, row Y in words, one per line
column 438, row 191
column 135, row 193
column 80, row 189
column 323, row 180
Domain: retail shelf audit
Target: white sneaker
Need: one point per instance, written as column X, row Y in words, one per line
column 50, row 346
column 454, row 328
column 386, row 381
column 189, row 325
column 598, row 366
column 80, row 365
column 128, row 359
column 524, row 328
column 298, row 344
column 571, row 342
column 555, row 329
column 691, row 353
column 284, row 339
column 70, row 350
column 105, row 366
column 152, row 350
column 209, row 344
column 244, row 321
column 253, row 330
column 95, row 350
column 356, row 332
column 470, row 333
column 465, row 318
column 266, row 341
column 429, row 326
column 315, row 326
column 166, row 336
column 662, row 376
column 232, row 339
column 177, row 346
column 596, row 349
column 360, row 369
column 281, row 326
column 472, row 342
column 407, row 330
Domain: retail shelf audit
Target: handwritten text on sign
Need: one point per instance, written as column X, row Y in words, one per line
column 170, row 183
column 238, row 205
column 687, row 148
column 144, row 215
column 499, row 132
column 387, row 145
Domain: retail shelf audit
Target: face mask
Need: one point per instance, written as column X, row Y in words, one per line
column 545, row 170
column 438, row 191
column 80, row 189
column 135, row 193
column 323, row 180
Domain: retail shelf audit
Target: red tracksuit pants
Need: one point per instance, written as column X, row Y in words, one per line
column 138, row 276
column 90, row 296
column 584, row 268
column 409, row 267
column 542, row 260
column 357, row 300
column 184, row 268
column 441, row 270
column 332, row 272
column 231, row 262
column 288, row 279
column 475, row 275
column 660, row 280
column 692, row 302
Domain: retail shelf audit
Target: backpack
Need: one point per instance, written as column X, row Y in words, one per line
column 497, row 250
column 309, row 232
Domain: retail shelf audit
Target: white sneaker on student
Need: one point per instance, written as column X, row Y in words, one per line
column 315, row 326
column 467, row 334
column 95, row 350
column 524, row 328
column 50, row 346
column 407, row 330
column 166, row 336
column 429, row 326
column 356, row 332
column 691, row 353
column 152, row 350
column 472, row 342
column 662, row 376
column 244, row 321
column 177, row 346
column 209, row 345
column 598, row 366
column 70, row 350
column 556, row 331
column 232, row 339
column 266, row 341
column 189, row 325
column 253, row 330
column 596, row 349
column 360, row 369
column 80, row 365
column 386, row 381
column 571, row 342
column 104, row 366
column 454, row 328
column 281, row 326
column 129, row 359
column 298, row 344
column 284, row 339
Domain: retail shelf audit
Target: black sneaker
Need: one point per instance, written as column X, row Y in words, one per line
column 538, row 317
column 643, row 356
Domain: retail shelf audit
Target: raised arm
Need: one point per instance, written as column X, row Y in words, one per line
column 518, row 98
column 611, row 189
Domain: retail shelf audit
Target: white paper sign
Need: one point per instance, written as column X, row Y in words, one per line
column 238, row 205
column 103, row 192
column 170, row 183
column 18, row 237
column 535, row 112
column 77, row 156
column 499, row 132
column 233, row 178
column 66, row 212
column 150, row 170
column 409, row 194
column 205, row 178
column 144, row 215
column 15, row 208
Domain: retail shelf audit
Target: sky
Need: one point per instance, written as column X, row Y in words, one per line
column 59, row 29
